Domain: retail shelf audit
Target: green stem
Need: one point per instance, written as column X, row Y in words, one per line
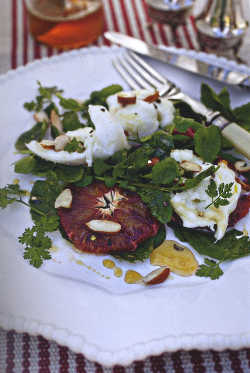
column 31, row 207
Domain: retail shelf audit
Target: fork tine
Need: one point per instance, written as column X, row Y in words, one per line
column 155, row 83
column 125, row 75
column 142, row 82
column 148, row 68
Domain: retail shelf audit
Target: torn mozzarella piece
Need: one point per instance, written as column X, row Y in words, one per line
column 142, row 118
column 107, row 138
column 191, row 205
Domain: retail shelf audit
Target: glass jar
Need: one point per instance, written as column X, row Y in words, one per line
column 65, row 24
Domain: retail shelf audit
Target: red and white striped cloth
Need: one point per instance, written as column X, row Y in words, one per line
column 21, row 353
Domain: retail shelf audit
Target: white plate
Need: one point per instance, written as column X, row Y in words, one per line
column 105, row 319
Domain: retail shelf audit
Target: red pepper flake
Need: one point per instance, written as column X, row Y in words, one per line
column 189, row 132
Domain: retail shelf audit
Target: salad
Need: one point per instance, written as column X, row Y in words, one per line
column 113, row 172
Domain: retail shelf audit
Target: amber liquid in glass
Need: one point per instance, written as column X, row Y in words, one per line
column 50, row 24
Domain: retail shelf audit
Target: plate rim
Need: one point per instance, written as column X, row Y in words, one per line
column 77, row 342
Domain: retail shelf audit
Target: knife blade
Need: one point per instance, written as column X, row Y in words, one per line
column 183, row 62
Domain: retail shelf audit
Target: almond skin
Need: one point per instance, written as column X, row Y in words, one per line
column 125, row 100
column 104, row 226
column 152, row 97
column 157, row 276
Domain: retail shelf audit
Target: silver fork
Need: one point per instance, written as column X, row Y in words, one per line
column 139, row 74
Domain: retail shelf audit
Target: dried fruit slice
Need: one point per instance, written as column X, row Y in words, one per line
column 97, row 202
column 178, row 258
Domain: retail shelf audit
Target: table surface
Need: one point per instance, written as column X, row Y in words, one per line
column 22, row 353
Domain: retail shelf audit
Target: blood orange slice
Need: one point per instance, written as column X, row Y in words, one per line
column 97, row 202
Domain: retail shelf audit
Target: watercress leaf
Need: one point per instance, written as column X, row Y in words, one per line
column 101, row 167
column 109, row 181
column 142, row 252
column 160, row 237
column 37, row 132
column 85, row 181
column 165, row 171
column 216, row 102
column 185, row 110
column 158, row 203
column 224, row 98
column 74, row 146
column 69, row 174
column 183, row 124
column 25, row 165
column 207, row 143
column 69, row 103
column 71, row 121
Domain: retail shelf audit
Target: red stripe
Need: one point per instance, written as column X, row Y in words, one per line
column 37, row 50
column 193, row 24
column 177, row 362
column 116, row 27
column 10, row 353
column 98, row 368
column 177, row 39
column 189, row 40
column 139, row 367
column 151, row 31
column 43, row 355
column 163, row 34
column 14, row 35
column 80, row 363
column 26, row 354
column 197, row 361
column 25, row 35
column 118, row 369
column 235, row 361
column 158, row 364
column 49, row 51
column 217, row 362
column 125, row 17
column 138, row 21
column 63, row 359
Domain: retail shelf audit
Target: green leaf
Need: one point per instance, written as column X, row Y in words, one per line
column 242, row 115
column 74, row 146
column 69, row 104
column 85, row 181
column 209, row 269
column 101, row 167
column 207, row 143
column 191, row 183
column 37, row 132
column 69, row 174
column 185, row 110
column 160, row 237
column 25, row 165
column 45, row 96
column 37, row 246
column 160, row 140
column 165, row 171
column 183, row 124
column 9, row 194
column 158, row 203
column 217, row 102
column 71, row 121
column 232, row 246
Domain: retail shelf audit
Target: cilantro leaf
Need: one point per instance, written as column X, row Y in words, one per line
column 209, row 269
column 207, row 143
column 219, row 196
column 37, row 245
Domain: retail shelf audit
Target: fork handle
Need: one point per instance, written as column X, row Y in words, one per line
column 239, row 138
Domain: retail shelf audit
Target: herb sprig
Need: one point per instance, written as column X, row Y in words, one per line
column 219, row 194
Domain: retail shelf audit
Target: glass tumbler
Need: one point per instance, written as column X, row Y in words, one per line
column 65, row 24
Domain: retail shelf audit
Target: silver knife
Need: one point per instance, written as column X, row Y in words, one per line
column 188, row 63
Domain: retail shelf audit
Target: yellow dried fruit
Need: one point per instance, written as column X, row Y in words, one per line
column 178, row 258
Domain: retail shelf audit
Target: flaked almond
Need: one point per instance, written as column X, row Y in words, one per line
column 56, row 121
column 48, row 144
column 126, row 98
column 153, row 97
column 41, row 116
column 64, row 199
column 157, row 276
column 244, row 185
column 242, row 166
column 190, row 166
column 61, row 141
column 104, row 226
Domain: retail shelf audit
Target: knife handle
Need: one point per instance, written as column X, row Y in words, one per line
column 239, row 138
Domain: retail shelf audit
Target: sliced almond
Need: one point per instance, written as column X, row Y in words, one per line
column 126, row 98
column 41, row 116
column 64, row 199
column 56, row 121
column 242, row 166
column 61, row 141
column 157, row 276
column 190, row 166
column 104, row 226
column 48, row 144
column 152, row 98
